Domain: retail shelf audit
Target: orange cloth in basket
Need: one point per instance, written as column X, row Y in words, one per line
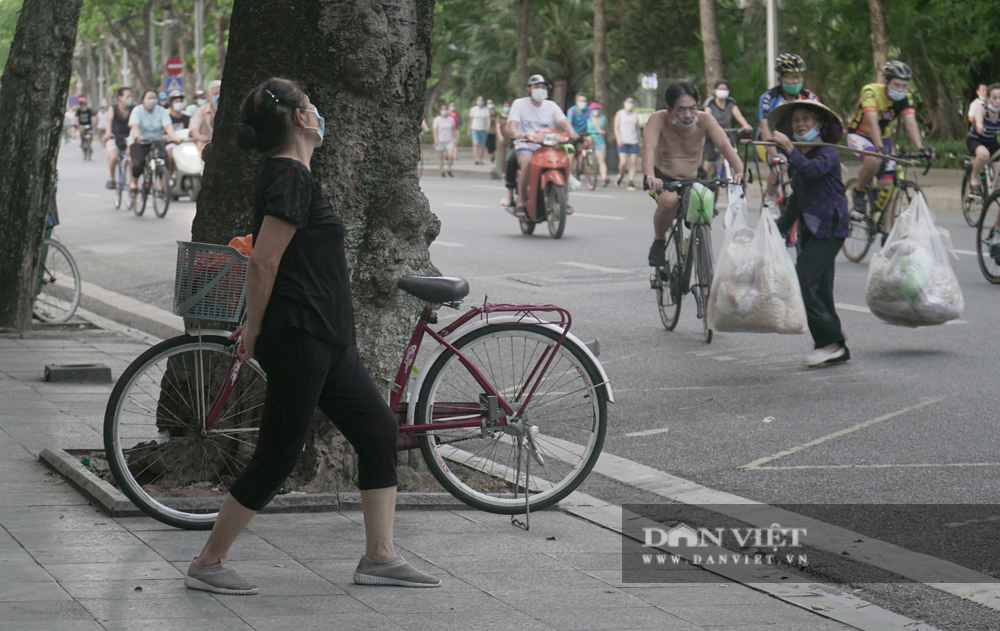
column 243, row 244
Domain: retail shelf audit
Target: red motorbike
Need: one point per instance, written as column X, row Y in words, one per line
column 548, row 178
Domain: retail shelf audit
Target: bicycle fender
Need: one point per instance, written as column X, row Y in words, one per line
column 415, row 387
column 205, row 332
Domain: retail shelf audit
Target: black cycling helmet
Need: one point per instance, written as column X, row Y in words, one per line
column 788, row 62
column 896, row 70
column 537, row 78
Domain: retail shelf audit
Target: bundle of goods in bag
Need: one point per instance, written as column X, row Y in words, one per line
column 910, row 281
column 756, row 289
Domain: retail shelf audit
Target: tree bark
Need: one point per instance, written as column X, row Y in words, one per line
column 602, row 75
column 364, row 64
column 880, row 44
column 523, row 13
column 32, row 103
column 710, row 44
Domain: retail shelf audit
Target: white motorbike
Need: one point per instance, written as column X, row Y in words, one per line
column 188, row 168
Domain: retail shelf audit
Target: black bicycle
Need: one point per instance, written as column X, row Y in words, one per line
column 154, row 180
column 690, row 232
column 989, row 178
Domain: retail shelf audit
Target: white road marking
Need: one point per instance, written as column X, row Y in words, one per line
column 906, row 465
column 131, row 305
column 843, row 432
column 966, row 252
column 596, row 268
column 593, row 195
column 648, row 432
column 92, row 195
column 447, row 244
column 586, row 216
column 458, row 205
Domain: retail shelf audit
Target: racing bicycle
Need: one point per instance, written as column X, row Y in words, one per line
column 972, row 203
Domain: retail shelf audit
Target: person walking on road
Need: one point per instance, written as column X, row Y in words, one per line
column 445, row 133
column 457, row 117
column 626, row 125
column 819, row 204
column 300, row 327
column 491, row 131
column 479, row 125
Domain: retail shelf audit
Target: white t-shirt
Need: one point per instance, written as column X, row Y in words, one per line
column 531, row 117
column 975, row 105
column 445, row 128
column 479, row 118
column 628, row 127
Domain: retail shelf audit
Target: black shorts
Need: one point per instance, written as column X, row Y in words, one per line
column 972, row 143
column 711, row 153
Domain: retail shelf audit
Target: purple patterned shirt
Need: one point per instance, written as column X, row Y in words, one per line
column 818, row 197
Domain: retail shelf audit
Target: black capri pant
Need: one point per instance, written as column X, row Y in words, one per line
column 303, row 373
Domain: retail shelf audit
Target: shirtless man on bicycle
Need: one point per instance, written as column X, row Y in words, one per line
column 674, row 140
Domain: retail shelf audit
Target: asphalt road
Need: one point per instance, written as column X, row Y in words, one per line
column 911, row 420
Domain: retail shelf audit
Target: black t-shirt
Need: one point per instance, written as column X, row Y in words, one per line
column 179, row 121
column 83, row 116
column 312, row 289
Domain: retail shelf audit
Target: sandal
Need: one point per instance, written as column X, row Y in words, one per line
column 521, row 211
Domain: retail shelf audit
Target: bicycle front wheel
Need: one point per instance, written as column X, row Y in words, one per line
column 139, row 206
column 861, row 235
column 155, row 437
column 970, row 210
column 161, row 191
column 667, row 281
column 487, row 466
column 702, row 240
column 988, row 233
column 58, row 293
column 590, row 168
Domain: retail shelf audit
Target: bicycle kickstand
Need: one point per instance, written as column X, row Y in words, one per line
column 526, row 524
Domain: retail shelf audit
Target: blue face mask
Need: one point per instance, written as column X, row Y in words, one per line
column 215, row 100
column 321, row 129
column 896, row 96
column 809, row 136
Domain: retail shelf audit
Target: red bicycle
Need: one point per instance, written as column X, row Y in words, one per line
column 509, row 410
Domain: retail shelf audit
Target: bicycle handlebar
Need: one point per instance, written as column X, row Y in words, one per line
column 929, row 158
column 675, row 185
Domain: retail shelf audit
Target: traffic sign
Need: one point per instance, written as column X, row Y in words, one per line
column 174, row 83
column 174, row 66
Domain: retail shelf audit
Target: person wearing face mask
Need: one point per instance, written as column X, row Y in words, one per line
column 984, row 136
column 870, row 129
column 149, row 123
column 977, row 103
column 578, row 116
column 819, row 203
column 118, row 131
column 445, row 135
column 674, row 140
column 457, row 117
column 491, row 131
column 479, row 125
column 503, row 143
column 597, row 130
column 300, row 328
column 626, row 125
column 725, row 110
column 528, row 114
column 198, row 99
column 179, row 120
column 791, row 78
column 203, row 121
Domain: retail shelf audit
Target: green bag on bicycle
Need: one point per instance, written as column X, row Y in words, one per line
column 701, row 204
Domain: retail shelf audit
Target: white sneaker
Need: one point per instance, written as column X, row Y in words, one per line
column 821, row 356
column 574, row 183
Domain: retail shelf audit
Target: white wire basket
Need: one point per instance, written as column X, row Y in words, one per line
column 209, row 283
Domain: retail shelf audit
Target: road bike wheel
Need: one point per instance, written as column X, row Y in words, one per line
column 555, row 210
column 987, row 231
column 666, row 282
column 590, row 167
column 154, row 438
column 161, row 191
column 702, row 249
column 969, row 209
column 58, row 292
column 569, row 409
column 862, row 233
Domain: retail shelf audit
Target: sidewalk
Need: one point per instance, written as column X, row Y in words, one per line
column 67, row 566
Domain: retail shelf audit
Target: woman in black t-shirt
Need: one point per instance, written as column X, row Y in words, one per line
column 300, row 327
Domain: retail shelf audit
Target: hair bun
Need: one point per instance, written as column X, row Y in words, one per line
column 247, row 138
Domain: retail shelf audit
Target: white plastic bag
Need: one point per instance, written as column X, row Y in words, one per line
column 756, row 289
column 737, row 204
column 910, row 281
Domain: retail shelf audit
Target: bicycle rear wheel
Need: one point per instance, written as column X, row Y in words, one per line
column 478, row 465
column 667, row 280
column 702, row 249
column 987, row 232
column 58, row 293
column 159, row 450
column 862, row 233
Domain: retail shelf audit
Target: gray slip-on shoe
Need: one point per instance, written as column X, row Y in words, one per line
column 220, row 579
column 397, row 572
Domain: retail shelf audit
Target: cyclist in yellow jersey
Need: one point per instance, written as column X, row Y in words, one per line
column 871, row 127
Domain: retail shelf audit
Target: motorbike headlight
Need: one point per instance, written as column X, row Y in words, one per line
column 550, row 139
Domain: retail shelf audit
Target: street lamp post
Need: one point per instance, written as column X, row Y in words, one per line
column 199, row 40
column 772, row 41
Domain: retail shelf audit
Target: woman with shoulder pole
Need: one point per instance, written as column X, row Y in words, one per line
column 300, row 327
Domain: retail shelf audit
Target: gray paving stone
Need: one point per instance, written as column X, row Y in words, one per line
column 177, row 545
column 214, row 623
column 746, row 614
column 52, row 497
column 193, row 606
column 22, row 571
column 669, row 595
column 264, row 573
column 36, row 611
column 595, row 619
column 63, row 625
column 251, row 609
column 487, row 560
column 614, row 578
column 527, row 579
column 390, row 600
column 369, row 621
column 465, row 621
column 137, row 552
column 112, row 571
column 34, row 590
column 118, row 536
column 126, row 589
column 540, row 602
column 589, row 560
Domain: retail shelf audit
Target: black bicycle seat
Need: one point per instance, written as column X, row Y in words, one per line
column 435, row 289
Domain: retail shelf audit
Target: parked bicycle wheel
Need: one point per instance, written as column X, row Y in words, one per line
column 155, row 437
column 862, row 232
column 161, row 191
column 988, row 239
column 58, row 293
column 701, row 241
column 555, row 210
column 569, row 410
column 667, row 280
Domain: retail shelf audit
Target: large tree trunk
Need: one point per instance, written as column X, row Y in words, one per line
column 364, row 64
column 880, row 44
column 523, row 13
column 710, row 44
column 602, row 75
column 32, row 104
